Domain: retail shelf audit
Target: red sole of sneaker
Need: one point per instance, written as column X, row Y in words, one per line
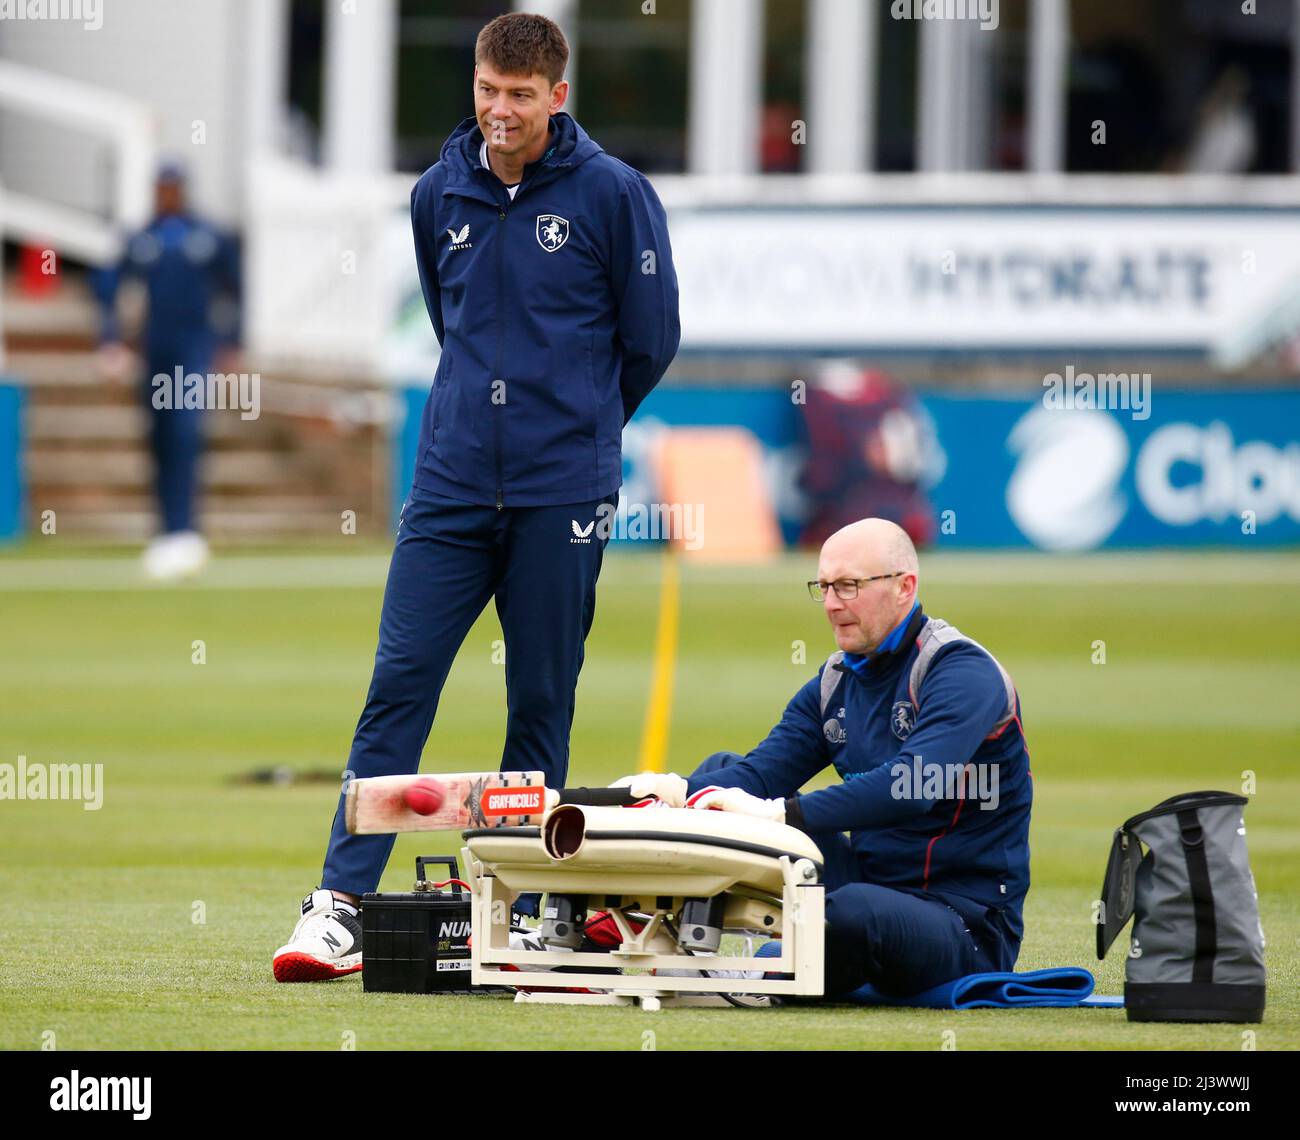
column 303, row 968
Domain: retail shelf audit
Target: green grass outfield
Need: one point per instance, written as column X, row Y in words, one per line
column 98, row 939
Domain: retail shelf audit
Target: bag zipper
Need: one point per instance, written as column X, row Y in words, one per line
column 1187, row 800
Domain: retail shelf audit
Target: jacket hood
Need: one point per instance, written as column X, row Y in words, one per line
column 570, row 146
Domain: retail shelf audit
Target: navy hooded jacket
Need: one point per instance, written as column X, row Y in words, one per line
column 973, row 856
column 557, row 314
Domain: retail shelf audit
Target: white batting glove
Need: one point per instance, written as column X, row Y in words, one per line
column 666, row 786
column 737, row 800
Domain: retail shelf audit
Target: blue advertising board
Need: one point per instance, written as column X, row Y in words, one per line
column 1203, row 468
column 1186, row 468
column 12, row 490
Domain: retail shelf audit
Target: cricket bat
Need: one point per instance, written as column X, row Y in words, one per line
column 382, row 805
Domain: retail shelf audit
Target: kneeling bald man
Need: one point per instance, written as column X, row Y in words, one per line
column 923, row 726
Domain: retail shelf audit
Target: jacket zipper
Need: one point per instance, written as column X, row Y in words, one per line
column 496, row 416
column 497, row 408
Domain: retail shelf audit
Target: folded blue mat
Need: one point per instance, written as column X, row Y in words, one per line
column 1061, row 986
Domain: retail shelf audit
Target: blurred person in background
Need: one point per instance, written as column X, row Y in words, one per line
column 780, row 154
column 872, row 452
column 1224, row 139
column 191, row 273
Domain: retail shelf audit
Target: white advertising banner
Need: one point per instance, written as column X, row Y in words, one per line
column 1212, row 280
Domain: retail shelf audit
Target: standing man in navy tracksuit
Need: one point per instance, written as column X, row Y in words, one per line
column 923, row 726
column 188, row 266
column 548, row 276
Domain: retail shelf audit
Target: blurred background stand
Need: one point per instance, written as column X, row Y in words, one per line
column 962, row 206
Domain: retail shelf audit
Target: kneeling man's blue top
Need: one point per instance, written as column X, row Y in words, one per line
column 936, row 788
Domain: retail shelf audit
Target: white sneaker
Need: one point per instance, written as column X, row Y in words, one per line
column 532, row 940
column 325, row 944
column 180, row 554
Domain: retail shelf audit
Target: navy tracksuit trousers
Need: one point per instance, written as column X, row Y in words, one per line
column 450, row 558
column 176, row 437
column 901, row 943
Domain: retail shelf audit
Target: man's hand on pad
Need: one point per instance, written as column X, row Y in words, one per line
column 737, row 800
column 666, row 786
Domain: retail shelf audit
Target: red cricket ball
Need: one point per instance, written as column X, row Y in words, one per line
column 425, row 796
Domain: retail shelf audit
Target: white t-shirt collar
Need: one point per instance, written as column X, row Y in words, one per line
column 483, row 159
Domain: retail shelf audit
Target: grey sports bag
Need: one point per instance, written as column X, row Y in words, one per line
column 1197, row 951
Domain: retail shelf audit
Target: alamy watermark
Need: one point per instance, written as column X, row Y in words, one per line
column 24, row 781
column 89, row 13
column 925, row 780
column 213, row 391
column 1111, row 391
column 985, row 11
column 75, row 1093
column 653, row 522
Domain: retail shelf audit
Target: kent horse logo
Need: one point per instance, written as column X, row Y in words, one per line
column 552, row 231
column 902, row 719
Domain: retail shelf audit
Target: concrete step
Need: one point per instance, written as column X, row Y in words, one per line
column 67, row 316
column 101, row 500
column 265, row 524
column 75, row 466
column 128, row 423
column 53, row 367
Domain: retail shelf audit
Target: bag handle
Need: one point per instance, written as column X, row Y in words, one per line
column 1183, row 801
column 1118, row 888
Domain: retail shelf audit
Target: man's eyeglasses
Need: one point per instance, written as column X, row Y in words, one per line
column 846, row 589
